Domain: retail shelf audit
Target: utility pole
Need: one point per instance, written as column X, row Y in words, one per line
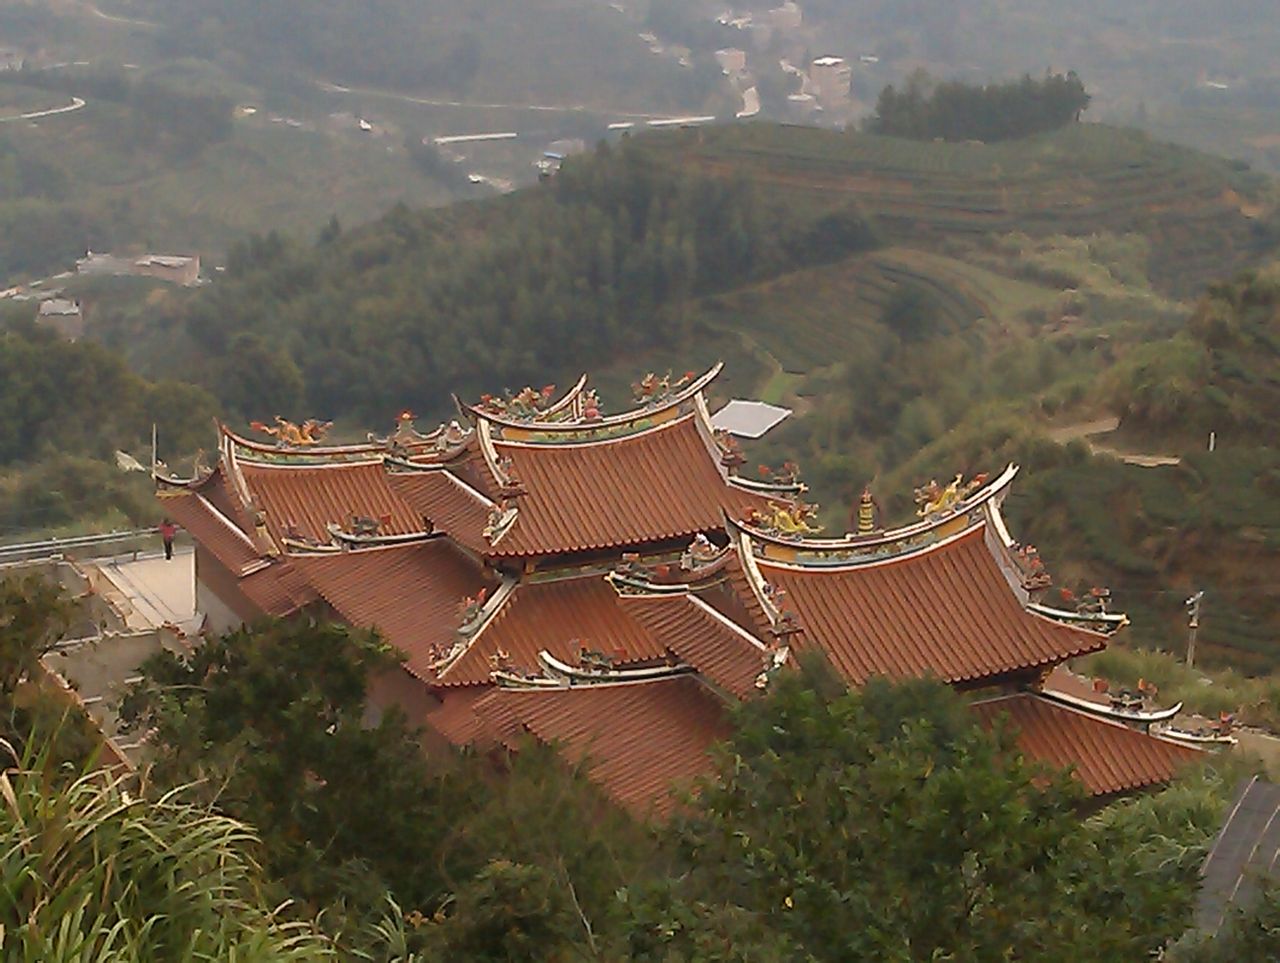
column 1193, row 626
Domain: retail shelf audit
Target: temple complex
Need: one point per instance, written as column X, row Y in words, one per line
column 610, row 583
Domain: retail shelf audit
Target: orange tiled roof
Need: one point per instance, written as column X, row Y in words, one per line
column 946, row 611
column 637, row 740
column 560, row 616
column 278, row 589
column 717, row 647
column 311, row 496
column 1108, row 757
column 410, row 593
column 212, row 529
column 658, row 485
column 455, row 717
column 451, row 504
column 732, row 595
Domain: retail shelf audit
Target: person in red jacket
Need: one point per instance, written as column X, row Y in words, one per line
column 167, row 531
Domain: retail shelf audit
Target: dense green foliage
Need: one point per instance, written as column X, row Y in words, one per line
column 604, row 258
column 956, row 111
column 883, row 825
column 271, row 722
column 838, row 825
column 88, row 870
column 1217, row 375
column 91, row 873
column 65, row 408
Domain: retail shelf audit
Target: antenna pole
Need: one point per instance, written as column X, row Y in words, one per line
column 1193, row 626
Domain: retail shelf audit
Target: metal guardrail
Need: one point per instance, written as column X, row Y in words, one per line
column 80, row 546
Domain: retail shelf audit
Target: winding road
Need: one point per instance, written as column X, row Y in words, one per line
column 76, row 104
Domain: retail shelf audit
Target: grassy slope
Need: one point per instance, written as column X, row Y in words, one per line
column 1063, row 252
column 1085, row 179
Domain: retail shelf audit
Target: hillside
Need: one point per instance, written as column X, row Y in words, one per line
column 110, row 175
column 924, row 309
column 1199, row 213
column 334, row 108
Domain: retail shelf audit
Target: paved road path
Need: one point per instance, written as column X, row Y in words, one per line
column 76, row 104
column 1089, row 430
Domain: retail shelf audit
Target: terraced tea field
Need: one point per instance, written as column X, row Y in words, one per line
column 1200, row 214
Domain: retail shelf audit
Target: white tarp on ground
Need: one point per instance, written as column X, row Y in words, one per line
column 748, row 419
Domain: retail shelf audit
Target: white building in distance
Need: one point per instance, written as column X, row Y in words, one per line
column 829, row 79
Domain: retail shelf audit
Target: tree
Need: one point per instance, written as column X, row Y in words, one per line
column 509, row 913
column 883, row 824
column 270, row 719
column 34, row 616
column 956, row 111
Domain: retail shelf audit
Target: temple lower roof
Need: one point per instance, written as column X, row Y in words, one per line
column 411, row 594
column 946, row 611
column 640, row 742
column 1106, row 757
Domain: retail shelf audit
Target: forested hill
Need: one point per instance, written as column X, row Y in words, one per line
column 612, row 253
column 602, row 260
column 924, row 308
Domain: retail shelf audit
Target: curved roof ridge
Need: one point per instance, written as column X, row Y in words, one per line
column 676, row 398
column 419, row 445
column 992, row 492
column 852, row 566
column 593, row 442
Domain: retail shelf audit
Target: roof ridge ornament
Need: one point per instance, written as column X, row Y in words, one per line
column 785, row 520
column 972, row 507
column 933, row 500
column 651, row 390
column 200, row 472
column 731, row 456
column 289, row 435
column 528, row 404
column 584, row 417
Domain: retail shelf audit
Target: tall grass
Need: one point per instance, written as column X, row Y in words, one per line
column 92, row 874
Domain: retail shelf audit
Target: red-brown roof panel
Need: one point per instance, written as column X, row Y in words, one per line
column 946, row 611
column 563, row 617
column 410, row 593
column 717, row 647
column 449, row 503
column 309, row 497
column 1108, row 757
column 212, row 529
column 733, row 597
column 657, row 485
column 455, row 718
column 279, row 589
column 639, row 741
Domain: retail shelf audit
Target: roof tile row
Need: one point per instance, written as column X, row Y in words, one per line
column 1107, row 757
column 946, row 611
column 563, row 617
column 637, row 741
column 307, row 498
column 718, row 648
column 659, row 485
column 410, row 593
